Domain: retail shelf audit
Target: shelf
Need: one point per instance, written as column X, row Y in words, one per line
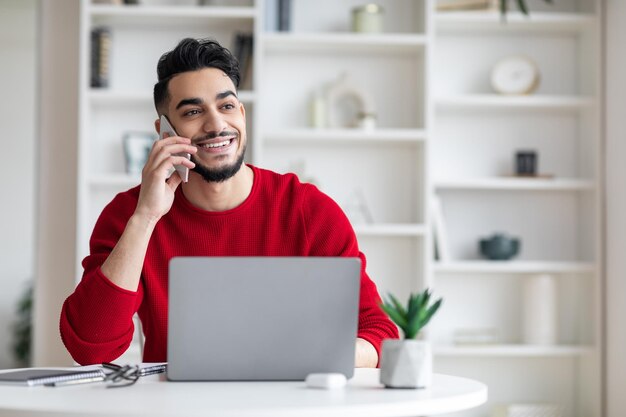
column 343, row 42
column 168, row 15
column 515, row 22
column 389, row 230
column 106, row 97
column 516, row 184
column 502, row 102
column 346, row 136
column 513, row 267
column 521, row 351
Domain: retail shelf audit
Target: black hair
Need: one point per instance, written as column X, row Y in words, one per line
column 192, row 55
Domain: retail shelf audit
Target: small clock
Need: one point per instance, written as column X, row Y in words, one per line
column 515, row 75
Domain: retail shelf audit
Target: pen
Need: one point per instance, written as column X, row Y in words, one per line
column 76, row 381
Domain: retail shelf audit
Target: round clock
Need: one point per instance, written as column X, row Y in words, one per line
column 515, row 75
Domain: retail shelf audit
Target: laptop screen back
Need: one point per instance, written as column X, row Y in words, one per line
column 261, row 318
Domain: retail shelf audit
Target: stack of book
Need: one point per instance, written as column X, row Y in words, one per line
column 100, row 55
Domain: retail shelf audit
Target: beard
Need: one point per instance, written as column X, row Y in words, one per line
column 220, row 174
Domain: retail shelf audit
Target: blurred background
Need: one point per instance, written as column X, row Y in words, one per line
column 476, row 153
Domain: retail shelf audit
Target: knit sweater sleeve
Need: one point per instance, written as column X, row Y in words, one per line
column 96, row 319
column 329, row 233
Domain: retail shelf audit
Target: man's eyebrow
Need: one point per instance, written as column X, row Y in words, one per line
column 225, row 94
column 189, row 101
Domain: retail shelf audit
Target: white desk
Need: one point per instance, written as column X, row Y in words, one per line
column 152, row 396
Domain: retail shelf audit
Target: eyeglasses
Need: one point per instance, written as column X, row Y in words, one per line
column 121, row 376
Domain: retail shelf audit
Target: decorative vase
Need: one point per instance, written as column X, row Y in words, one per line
column 406, row 364
column 499, row 247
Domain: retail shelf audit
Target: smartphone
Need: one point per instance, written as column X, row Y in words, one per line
column 166, row 127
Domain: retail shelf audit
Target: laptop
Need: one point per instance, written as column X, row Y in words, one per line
column 261, row 318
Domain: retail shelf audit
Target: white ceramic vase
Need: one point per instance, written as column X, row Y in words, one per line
column 406, row 364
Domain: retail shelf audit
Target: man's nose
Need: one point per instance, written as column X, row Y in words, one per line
column 214, row 122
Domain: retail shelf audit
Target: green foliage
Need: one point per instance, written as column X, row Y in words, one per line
column 521, row 4
column 23, row 327
column 415, row 316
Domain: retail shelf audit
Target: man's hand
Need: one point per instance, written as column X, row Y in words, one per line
column 366, row 355
column 125, row 262
column 157, row 191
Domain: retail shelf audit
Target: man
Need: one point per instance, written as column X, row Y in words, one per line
column 226, row 209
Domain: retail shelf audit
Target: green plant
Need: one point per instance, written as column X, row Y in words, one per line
column 23, row 327
column 415, row 316
column 504, row 6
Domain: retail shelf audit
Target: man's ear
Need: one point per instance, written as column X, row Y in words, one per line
column 242, row 109
column 157, row 126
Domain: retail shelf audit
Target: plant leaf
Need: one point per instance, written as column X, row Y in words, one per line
column 395, row 316
column 431, row 311
column 522, row 6
column 398, row 305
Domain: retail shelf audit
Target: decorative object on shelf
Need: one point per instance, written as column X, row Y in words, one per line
column 503, row 5
column 476, row 336
column 408, row 363
column 137, row 146
column 440, row 232
column 499, row 247
column 318, row 109
column 540, row 310
column 348, row 105
column 100, row 56
column 299, row 168
column 357, row 209
column 460, row 5
column 527, row 410
column 284, row 15
column 243, row 50
column 515, row 75
column 367, row 18
column 526, row 163
column 366, row 121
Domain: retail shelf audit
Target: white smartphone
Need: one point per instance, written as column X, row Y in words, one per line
column 166, row 127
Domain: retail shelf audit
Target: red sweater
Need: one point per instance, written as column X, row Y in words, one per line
column 280, row 217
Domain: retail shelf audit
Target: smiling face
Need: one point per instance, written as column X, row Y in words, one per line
column 204, row 107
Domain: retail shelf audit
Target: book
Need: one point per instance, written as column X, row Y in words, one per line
column 284, row 15
column 243, row 52
column 50, row 377
column 100, row 55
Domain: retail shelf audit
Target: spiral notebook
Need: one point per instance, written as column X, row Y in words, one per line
column 50, row 377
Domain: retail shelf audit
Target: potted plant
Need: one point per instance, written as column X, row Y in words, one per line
column 407, row 363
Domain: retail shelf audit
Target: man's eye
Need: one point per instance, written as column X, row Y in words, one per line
column 228, row 106
column 192, row 112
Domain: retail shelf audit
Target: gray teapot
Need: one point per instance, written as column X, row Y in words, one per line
column 499, row 247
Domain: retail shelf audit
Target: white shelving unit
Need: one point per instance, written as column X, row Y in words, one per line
column 556, row 215
column 385, row 165
column 440, row 130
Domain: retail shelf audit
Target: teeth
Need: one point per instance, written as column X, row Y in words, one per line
column 216, row 145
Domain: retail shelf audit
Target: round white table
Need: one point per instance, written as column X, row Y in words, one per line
column 153, row 396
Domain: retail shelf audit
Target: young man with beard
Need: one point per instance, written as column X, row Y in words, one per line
column 226, row 209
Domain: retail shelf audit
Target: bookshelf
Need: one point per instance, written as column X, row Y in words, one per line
column 440, row 132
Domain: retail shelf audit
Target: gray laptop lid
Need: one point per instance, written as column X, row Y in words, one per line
column 261, row 318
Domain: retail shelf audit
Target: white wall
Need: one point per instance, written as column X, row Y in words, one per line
column 18, row 120
column 616, row 207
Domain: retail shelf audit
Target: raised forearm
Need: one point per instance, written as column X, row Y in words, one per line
column 124, row 264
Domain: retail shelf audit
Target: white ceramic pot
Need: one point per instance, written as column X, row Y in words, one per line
column 406, row 364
